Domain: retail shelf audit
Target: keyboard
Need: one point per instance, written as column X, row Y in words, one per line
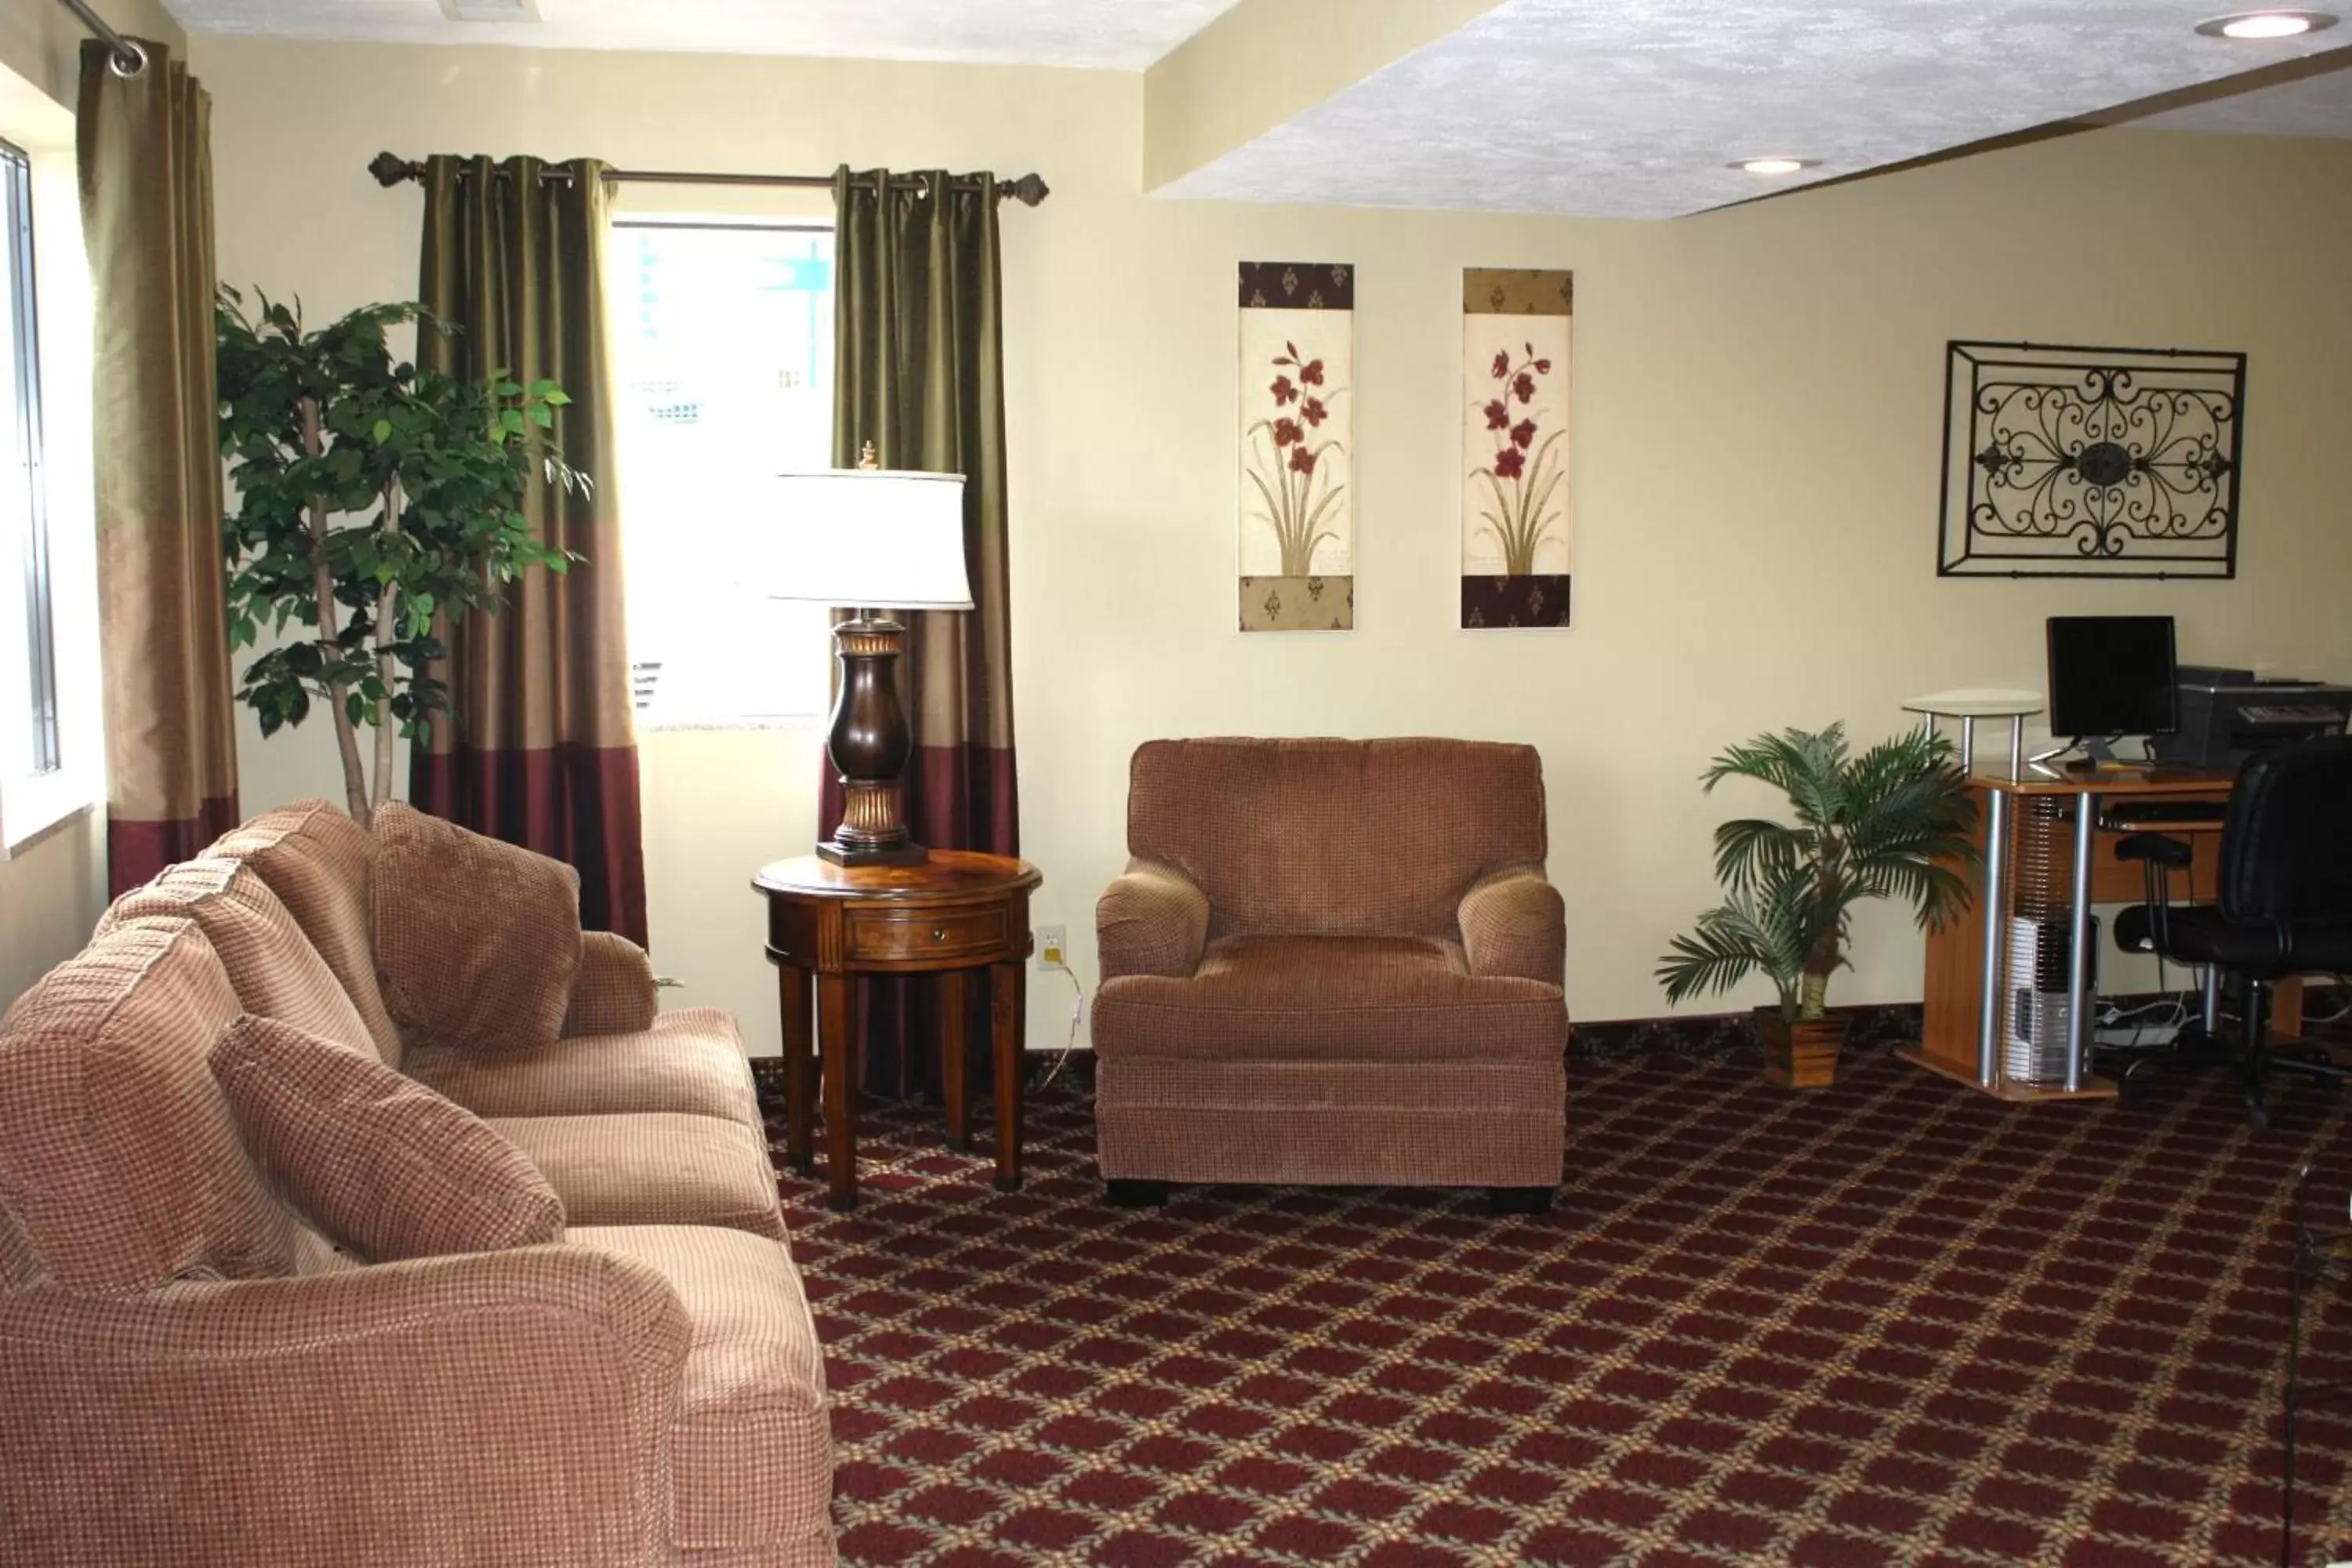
column 2156, row 813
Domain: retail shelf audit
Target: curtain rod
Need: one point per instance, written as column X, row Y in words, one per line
column 126, row 57
column 390, row 170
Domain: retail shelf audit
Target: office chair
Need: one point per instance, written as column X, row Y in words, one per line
column 2285, row 907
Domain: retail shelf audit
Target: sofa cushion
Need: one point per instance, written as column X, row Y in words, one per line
column 1336, row 837
column 691, row 1061
column 120, row 1166
column 377, row 1161
column 652, row 1168
column 321, row 863
column 271, row 965
column 753, row 1457
column 477, row 941
column 1275, row 998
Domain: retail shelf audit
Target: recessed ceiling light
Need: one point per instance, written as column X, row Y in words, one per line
column 2262, row 24
column 1775, row 165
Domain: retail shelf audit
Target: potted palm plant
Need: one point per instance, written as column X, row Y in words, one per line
column 1894, row 822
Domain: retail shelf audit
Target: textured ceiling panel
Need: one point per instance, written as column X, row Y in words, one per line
column 1122, row 34
column 1632, row 108
column 2316, row 106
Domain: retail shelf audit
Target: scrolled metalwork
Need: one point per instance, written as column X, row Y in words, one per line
column 2089, row 462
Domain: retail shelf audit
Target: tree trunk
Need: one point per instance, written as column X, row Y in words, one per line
column 322, row 586
column 385, row 608
column 1812, row 997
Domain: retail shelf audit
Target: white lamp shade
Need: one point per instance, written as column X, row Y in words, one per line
column 885, row 539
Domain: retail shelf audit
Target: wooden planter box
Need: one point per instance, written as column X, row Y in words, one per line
column 1803, row 1055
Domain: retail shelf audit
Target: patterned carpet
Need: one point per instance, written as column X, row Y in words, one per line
column 1890, row 1322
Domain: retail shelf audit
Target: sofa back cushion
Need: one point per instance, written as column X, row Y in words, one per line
column 378, row 1161
column 120, row 1167
column 1336, row 837
column 321, row 863
column 477, row 941
column 271, row 965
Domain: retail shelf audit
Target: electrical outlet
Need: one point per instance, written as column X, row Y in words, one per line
column 1052, row 947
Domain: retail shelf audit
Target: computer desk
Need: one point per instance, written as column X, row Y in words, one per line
column 2047, row 822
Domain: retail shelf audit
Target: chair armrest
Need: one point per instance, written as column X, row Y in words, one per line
column 613, row 992
column 2158, row 848
column 1151, row 920
column 510, row 1407
column 1516, row 924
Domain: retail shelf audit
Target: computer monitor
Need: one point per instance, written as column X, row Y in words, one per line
column 2112, row 675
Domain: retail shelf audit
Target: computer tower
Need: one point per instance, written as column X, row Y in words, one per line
column 2035, row 999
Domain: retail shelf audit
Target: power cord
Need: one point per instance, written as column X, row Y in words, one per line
column 1077, row 1010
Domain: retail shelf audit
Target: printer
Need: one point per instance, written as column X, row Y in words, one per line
column 2226, row 715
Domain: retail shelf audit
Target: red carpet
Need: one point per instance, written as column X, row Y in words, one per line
column 1891, row 1322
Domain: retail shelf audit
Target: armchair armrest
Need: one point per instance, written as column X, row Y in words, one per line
column 512, row 1406
column 614, row 993
column 1151, row 920
column 1516, row 924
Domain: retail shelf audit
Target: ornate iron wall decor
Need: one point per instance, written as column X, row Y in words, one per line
column 2085, row 462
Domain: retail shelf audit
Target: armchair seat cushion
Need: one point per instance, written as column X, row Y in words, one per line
column 652, row 1168
column 1331, row 998
column 753, row 1455
column 690, row 1063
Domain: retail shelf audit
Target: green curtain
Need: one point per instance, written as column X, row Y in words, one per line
column 145, row 161
column 539, row 746
column 919, row 372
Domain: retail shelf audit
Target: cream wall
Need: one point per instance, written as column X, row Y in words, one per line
column 52, row 887
column 1758, row 398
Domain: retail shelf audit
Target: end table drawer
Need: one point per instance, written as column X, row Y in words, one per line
column 919, row 934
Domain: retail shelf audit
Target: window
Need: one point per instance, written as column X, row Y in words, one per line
column 724, row 337
column 42, row 777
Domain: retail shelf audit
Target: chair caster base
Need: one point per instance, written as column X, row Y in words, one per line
column 1127, row 1194
column 1518, row 1200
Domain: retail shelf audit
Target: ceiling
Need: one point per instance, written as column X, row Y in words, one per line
column 1596, row 108
column 1120, row 35
column 1633, row 108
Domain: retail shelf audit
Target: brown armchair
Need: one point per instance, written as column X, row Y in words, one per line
column 1332, row 962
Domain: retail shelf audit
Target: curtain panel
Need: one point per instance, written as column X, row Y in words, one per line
column 920, row 373
column 539, row 746
column 144, row 150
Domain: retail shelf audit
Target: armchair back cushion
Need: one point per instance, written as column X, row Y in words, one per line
column 120, row 1166
column 321, row 863
column 1336, row 837
column 477, row 941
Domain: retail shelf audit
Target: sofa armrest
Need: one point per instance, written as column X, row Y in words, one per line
column 509, row 1407
column 614, row 993
column 1151, row 920
column 1516, row 924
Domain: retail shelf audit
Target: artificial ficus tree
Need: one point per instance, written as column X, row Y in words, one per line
column 373, row 496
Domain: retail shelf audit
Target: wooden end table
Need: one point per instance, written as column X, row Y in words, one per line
column 956, row 912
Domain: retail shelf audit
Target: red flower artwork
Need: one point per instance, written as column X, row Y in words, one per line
column 1525, row 475
column 1297, row 496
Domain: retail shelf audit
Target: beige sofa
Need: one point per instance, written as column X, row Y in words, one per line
column 1332, row 962
column 189, row 1374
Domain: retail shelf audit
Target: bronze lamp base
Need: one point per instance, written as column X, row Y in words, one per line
column 869, row 745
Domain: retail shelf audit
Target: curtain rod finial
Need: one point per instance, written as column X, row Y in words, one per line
column 1028, row 190
column 390, row 171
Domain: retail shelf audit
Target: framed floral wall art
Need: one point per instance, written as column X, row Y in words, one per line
column 1515, row 446
column 1298, row 439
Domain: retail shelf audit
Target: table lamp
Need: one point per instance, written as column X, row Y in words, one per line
column 877, row 540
